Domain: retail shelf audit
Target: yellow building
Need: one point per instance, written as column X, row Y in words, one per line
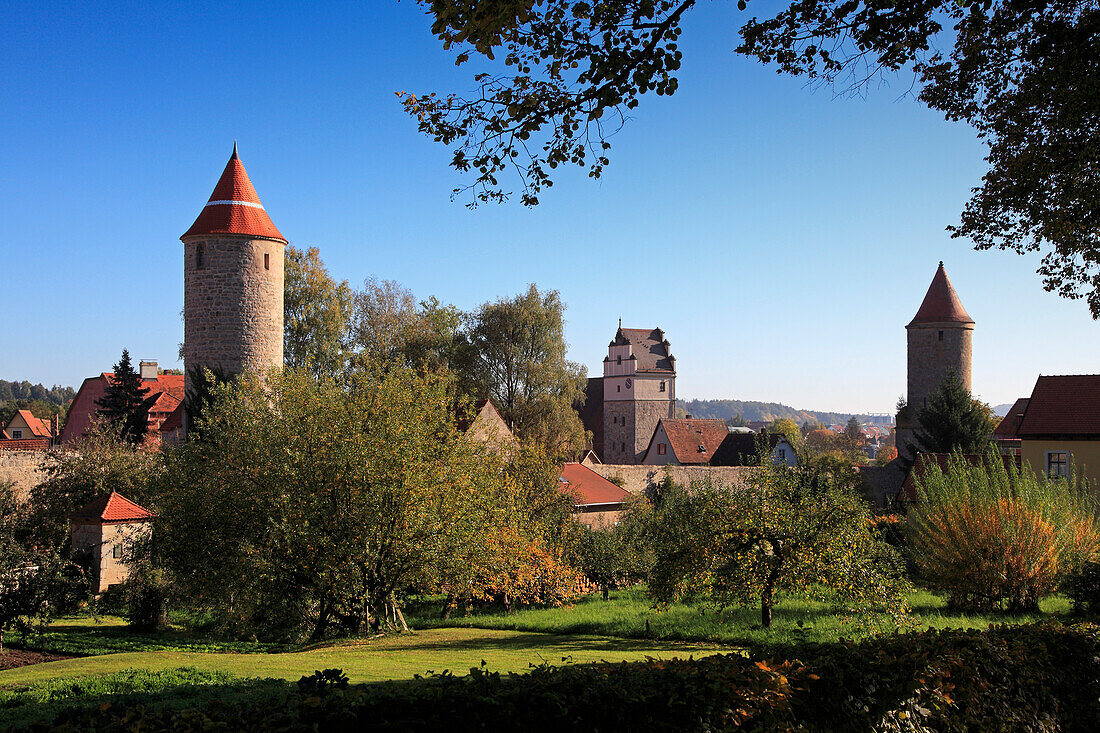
column 1059, row 429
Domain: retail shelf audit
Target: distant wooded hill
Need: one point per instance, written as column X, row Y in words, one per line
column 749, row 411
column 40, row 400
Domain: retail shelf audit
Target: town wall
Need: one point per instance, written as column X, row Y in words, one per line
column 642, row 480
column 24, row 468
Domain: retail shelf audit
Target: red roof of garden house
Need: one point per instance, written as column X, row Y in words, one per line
column 941, row 303
column 111, row 508
column 694, row 440
column 1066, row 405
column 589, row 488
column 234, row 207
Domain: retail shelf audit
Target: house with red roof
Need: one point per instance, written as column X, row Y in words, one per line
column 596, row 501
column 24, row 431
column 709, row 442
column 1058, row 426
column 108, row 528
column 165, row 395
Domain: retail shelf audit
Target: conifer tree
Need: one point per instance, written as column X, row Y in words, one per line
column 124, row 404
column 952, row 420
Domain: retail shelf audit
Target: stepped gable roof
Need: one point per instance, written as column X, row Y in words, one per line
column 695, row 440
column 1064, row 405
column 113, row 507
column 234, row 207
column 941, row 303
column 651, row 349
column 1010, row 423
column 38, row 428
column 589, row 488
column 924, row 461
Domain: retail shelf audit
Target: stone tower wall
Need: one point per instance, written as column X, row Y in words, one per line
column 233, row 305
column 631, row 422
column 930, row 358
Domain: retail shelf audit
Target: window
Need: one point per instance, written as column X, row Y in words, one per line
column 618, row 388
column 783, row 454
column 1057, row 464
column 267, row 261
column 619, row 359
column 16, row 434
column 117, row 552
column 661, row 449
column 199, row 256
column 941, row 335
column 662, row 388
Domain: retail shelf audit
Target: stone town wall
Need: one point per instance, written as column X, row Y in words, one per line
column 631, row 423
column 23, row 468
column 233, row 305
column 642, row 480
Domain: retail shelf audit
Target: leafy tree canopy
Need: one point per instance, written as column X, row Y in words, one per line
column 1022, row 74
column 316, row 312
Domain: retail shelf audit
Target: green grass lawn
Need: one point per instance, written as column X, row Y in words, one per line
column 392, row 657
column 795, row 620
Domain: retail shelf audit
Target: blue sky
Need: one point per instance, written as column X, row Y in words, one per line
column 782, row 238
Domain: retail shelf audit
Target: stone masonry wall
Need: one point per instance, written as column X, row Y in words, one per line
column 22, row 468
column 233, row 306
column 631, row 422
column 641, row 480
column 930, row 359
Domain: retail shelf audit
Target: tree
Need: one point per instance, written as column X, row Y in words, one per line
column 788, row 428
column 516, row 356
column 952, row 421
column 317, row 311
column 789, row 529
column 1020, row 73
column 125, row 404
column 312, row 503
column 853, row 431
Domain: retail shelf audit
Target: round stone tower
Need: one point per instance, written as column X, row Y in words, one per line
column 939, row 342
column 232, row 281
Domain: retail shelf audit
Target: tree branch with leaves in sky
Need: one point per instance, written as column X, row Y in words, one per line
column 1022, row 75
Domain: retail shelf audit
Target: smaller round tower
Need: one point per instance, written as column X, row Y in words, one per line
column 232, row 281
column 939, row 342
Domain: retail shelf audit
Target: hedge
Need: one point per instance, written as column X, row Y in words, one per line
column 1042, row 677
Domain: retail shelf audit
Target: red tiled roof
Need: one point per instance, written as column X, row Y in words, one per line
column 651, row 349
column 1009, row 424
column 1063, row 405
column 941, row 303
column 24, row 443
column 234, row 207
column 589, row 488
column 923, row 461
column 113, row 507
column 174, row 421
column 168, row 389
column 38, row 428
column 694, row 440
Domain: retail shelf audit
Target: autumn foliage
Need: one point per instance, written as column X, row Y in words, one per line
column 991, row 536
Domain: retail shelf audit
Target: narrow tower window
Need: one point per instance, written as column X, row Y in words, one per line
column 199, row 252
column 941, row 335
column 267, row 261
column 662, row 387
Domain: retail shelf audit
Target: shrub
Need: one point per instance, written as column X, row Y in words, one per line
column 993, row 536
column 1041, row 677
column 322, row 682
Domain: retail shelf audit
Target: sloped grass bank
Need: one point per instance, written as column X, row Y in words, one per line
column 386, row 658
column 1033, row 677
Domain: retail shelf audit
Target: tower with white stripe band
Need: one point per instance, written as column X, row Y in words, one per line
column 232, row 281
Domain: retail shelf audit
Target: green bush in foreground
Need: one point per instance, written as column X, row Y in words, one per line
column 1039, row 677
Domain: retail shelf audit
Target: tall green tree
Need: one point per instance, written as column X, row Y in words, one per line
column 516, row 356
column 953, row 421
column 390, row 325
column 853, row 431
column 317, row 312
column 125, row 405
column 1022, row 74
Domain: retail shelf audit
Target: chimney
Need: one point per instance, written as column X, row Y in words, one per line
column 148, row 370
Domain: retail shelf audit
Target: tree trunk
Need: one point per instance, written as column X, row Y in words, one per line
column 766, row 607
column 448, row 606
column 322, row 622
column 606, row 588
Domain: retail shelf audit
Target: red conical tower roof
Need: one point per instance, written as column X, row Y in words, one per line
column 941, row 303
column 234, row 207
